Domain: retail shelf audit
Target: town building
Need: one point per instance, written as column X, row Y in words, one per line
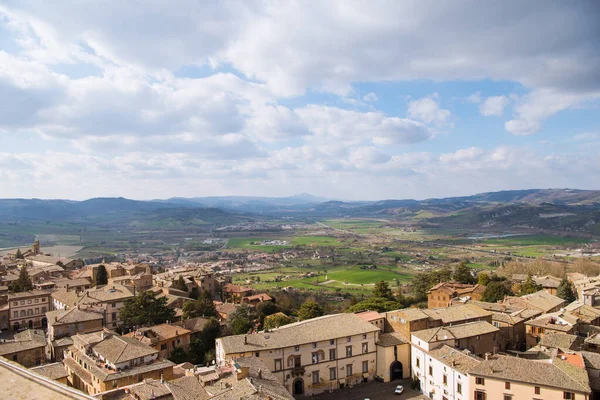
column 442, row 373
column 558, row 322
column 235, row 293
column 541, row 300
column 373, row 317
column 28, row 309
column 194, row 325
column 311, row 356
column 502, row 377
column 548, row 283
column 28, row 348
column 255, row 299
column 442, row 294
column 55, row 371
column 477, row 337
column 393, row 357
column 109, row 299
column 164, row 337
column 68, row 322
column 100, row 361
column 589, row 317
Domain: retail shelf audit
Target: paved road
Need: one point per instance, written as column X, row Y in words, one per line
column 372, row 391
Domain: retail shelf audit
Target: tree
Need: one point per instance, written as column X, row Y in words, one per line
column 179, row 284
column 462, row 274
column 383, row 291
column 378, row 304
column 204, row 306
column 242, row 320
column 310, row 309
column 483, row 279
column 206, row 341
column 265, row 309
column 23, row 283
column 146, row 309
column 18, row 255
column 178, row 355
column 276, row 320
column 565, row 291
column 101, row 276
column 496, row 291
column 529, row 286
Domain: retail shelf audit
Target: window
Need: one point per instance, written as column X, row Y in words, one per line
column 332, row 374
column 256, row 353
column 479, row 381
column 29, row 312
column 23, row 313
column 348, row 339
column 37, row 300
column 114, row 305
column 568, row 395
column 163, row 346
column 314, row 345
column 478, row 337
column 445, row 379
column 296, row 348
column 37, row 310
column 315, row 358
column 365, row 366
column 418, row 363
column 479, row 395
column 15, row 303
column 16, row 314
column 508, row 397
column 315, row 376
column 278, row 364
column 507, row 385
column 364, row 335
column 430, row 370
column 43, row 299
column 348, row 351
column 29, row 301
column 459, row 388
column 331, row 342
column 349, row 370
column 22, row 302
column 537, row 390
column 114, row 316
column 365, row 348
column 332, row 354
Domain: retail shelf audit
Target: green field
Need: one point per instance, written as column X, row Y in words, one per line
column 365, row 276
column 535, row 240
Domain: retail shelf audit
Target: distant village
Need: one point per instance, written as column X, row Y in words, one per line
column 73, row 331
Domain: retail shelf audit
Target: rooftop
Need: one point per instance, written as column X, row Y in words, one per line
column 449, row 315
column 554, row 373
column 112, row 347
column 53, row 371
column 26, row 340
column 563, row 341
column 540, row 300
column 72, row 315
column 158, row 333
column 313, row 330
column 461, row 331
column 459, row 360
column 391, row 339
column 370, row 315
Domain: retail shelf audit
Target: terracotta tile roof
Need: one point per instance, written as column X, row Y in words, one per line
column 391, row 339
column 550, row 373
column 193, row 324
column 26, row 340
column 260, row 297
column 563, row 341
column 161, row 332
column 462, row 361
column 114, row 348
column 457, row 313
column 72, row 315
column 541, row 300
column 461, row 331
column 313, row 330
column 370, row 315
column 547, row 281
column 52, row 371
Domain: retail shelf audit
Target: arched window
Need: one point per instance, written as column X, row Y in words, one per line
column 29, row 312
column 23, row 313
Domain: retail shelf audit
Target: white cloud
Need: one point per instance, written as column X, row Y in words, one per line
column 474, row 98
column 428, row 110
column 370, row 97
column 494, row 106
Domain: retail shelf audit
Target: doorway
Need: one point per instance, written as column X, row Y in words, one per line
column 298, row 386
column 396, row 371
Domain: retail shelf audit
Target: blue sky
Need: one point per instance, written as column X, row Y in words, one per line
column 346, row 99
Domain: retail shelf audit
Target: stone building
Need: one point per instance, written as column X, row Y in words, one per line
column 28, row 348
column 28, row 309
column 101, row 361
column 442, row 294
column 164, row 337
column 311, row 356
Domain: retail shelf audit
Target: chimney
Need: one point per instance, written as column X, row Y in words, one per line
column 245, row 339
column 162, row 380
column 487, row 356
column 259, row 373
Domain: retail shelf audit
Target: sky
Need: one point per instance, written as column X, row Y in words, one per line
column 357, row 100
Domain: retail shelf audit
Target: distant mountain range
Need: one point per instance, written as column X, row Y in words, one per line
column 568, row 209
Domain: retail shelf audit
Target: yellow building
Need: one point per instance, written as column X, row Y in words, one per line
column 393, row 357
column 502, row 377
column 164, row 337
column 312, row 356
column 103, row 360
column 28, row 309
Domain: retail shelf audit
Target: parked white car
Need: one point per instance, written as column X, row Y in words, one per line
column 399, row 389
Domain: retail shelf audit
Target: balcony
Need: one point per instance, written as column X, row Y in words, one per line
column 297, row 371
